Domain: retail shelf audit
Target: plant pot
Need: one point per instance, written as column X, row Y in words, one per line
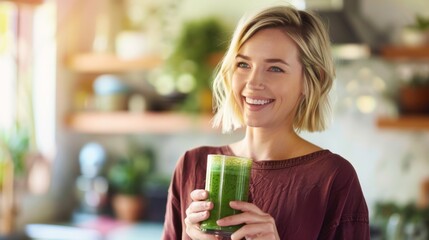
column 128, row 208
column 414, row 100
column 413, row 37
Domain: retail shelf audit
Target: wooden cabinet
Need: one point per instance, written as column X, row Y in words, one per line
column 404, row 123
column 405, row 53
column 127, row 122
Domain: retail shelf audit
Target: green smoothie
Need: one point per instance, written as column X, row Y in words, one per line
column 227, row 180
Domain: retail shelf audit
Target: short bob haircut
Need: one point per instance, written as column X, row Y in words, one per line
column 312, row 39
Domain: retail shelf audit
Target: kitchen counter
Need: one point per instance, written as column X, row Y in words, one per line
column 139, row 231
column 102, row 229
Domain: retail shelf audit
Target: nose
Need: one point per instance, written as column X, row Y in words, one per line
column 255, row 80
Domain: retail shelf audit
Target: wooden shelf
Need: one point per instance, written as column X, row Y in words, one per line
column 109, row 63
column 405, row 123
column 404, row 52
column 27, row 2
column 129, row 123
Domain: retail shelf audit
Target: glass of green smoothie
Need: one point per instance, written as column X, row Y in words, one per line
column 227, row 179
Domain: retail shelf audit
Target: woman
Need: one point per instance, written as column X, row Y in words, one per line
column 274, row 81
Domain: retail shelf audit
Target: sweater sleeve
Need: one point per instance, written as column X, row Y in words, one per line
column 188, row 175
column 173, row 218
column 347, row 212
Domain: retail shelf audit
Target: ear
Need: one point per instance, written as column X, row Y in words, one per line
column 304, row 89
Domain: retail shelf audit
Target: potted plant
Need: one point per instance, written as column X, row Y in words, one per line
column 414, row 95
column 17, row 141
column 190, row 66
column 126, row 178
column 417, row 33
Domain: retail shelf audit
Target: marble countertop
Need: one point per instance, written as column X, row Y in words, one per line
column 100, row 229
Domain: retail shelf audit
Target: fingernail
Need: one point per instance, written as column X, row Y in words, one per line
column 203, row 194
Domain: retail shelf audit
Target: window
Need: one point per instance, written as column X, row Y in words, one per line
column 28, row 73
column 8, row 64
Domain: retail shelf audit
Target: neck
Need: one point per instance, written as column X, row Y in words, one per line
column 272, row 144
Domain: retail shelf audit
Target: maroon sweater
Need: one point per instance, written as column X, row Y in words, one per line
column 316, row 196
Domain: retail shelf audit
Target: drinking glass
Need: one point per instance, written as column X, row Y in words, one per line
column 227, row 179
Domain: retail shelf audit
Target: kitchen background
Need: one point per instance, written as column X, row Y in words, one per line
column 98, row 97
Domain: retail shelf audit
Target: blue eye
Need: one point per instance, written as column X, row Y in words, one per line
column 242, row 65
column 276, row 69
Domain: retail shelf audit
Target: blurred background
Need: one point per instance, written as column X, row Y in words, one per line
column 99, row 99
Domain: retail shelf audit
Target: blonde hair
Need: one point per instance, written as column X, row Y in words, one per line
column 311, row 37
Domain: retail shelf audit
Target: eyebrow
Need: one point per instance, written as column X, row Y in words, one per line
column 269, row 60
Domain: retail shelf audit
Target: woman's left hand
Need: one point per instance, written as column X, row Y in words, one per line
column 258, row 224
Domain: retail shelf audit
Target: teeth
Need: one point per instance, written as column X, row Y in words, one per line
column 257, row 101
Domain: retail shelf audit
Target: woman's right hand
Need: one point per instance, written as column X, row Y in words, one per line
column 198, row 210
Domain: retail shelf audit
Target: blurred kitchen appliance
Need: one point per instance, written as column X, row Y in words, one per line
column 91, row 186
column 352, row 35
column 111, row 93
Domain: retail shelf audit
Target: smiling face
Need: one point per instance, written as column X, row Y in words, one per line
column 267, row 82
